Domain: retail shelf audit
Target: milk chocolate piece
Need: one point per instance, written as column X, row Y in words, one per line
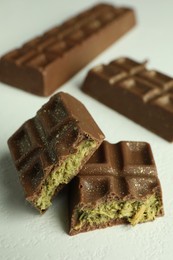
column 118, row 185
column 145, row 96
column 49, row 149
column 43, row 64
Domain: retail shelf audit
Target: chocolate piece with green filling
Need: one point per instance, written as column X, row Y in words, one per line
column 118, row 185
column 51, row 148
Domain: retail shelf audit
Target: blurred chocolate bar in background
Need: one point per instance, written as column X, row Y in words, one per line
column 43, row 64
column 144, row 96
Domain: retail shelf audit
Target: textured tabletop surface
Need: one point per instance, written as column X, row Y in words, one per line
column 23, row 233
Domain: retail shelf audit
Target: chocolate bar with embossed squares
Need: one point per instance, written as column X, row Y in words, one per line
column 50, row 149
column 118, row 185
column 43, row 64
column 145, row 96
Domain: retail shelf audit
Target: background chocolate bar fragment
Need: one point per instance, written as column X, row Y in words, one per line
column 145, row 96
column 118, row 185
column 43, row 64
column 49, row 149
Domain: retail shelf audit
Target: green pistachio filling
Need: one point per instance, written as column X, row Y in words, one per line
column 133, row 211
column 63, row 174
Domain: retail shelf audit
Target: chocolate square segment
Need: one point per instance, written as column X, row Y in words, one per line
column 43, row 64
column 123, row 188
column 142, row 95
column 50, row 149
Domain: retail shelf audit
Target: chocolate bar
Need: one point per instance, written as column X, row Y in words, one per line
column 50, row 149
column 43, row 64
column 118, row 185
column 145, row 96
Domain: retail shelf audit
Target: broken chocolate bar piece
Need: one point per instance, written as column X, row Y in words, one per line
column 43, row 64
column 145, row 96
column 119, row 184
column 50, row 149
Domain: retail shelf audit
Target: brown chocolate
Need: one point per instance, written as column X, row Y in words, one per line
column 43, row 64
column 119, row 184
column 49, row 149
column 145, row 96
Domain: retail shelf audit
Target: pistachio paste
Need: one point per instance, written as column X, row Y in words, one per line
column 63, row 174
column 133, row 211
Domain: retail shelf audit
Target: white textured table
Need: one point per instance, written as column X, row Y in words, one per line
column 23, row 233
